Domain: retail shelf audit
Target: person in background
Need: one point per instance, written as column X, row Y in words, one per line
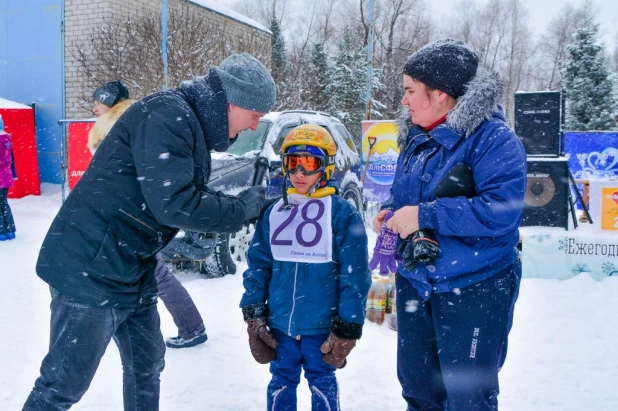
column 7, row 177
column 454, row 308
column 147, row 180
column 111, row 100
column 307, row 279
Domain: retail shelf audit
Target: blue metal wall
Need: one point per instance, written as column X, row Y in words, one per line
column 31, row 70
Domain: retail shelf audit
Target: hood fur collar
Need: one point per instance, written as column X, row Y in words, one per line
column 479, row 103
column 104, row 124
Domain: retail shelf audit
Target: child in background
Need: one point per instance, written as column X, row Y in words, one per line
column 307, row 279
column 7, row 176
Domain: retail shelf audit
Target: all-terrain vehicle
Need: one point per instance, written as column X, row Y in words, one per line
column 214, row 254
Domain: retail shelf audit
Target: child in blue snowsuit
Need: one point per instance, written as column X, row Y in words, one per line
column 307, row 281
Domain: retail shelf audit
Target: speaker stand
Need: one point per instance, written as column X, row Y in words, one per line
column 572, row 207
column 578, row 194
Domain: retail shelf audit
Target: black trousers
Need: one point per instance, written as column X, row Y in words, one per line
column 451, row 347
column 7, row 224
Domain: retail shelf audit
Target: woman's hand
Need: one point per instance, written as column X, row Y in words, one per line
column 403, row 222
column 379, row 220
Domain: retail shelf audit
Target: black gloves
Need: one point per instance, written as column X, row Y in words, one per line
column 267, row 203
column 420, row 247
column 253, row 201
column 340, row 341
column 261, row 341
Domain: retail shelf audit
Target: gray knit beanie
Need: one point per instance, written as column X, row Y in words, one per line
column 447, row 65
column 247, row 83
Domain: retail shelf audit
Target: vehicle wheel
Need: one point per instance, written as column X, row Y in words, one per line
column 352, row 195
column 239, row 243
column 220, row 263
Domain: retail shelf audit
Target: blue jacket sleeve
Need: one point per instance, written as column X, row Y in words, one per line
column 354, row 276
column 389, row 204
column 256, row 278
column 499, row 171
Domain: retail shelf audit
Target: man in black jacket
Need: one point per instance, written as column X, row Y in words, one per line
column 147, row 179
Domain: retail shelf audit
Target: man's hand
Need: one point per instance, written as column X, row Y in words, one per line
column 404, row 221
column 253, row 200
column 267, row 203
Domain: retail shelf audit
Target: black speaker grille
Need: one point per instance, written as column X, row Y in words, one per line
column 537, row 122
column 546, row 198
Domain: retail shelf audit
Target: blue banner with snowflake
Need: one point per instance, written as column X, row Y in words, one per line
column 560, row 256
column 592, row 154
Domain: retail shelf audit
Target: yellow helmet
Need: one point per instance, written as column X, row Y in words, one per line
column 314, row 136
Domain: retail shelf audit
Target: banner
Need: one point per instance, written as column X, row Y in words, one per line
column 379, row 157
column 19, row 123
column 560, row 256
column 592, row 154
column 79, row 155
column 609, row 208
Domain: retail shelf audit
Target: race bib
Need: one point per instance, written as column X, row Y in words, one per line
column 302, row 233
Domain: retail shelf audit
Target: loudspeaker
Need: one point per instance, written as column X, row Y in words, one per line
column 546, row 201
column 537, row 122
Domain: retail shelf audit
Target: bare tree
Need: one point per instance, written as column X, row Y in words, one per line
column 130, row 50
column 552, row 47
column 516, row 53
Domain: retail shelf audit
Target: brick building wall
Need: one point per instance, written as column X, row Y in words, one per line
column 83, row 17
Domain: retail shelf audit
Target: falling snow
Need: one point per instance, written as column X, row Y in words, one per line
column 561, row 339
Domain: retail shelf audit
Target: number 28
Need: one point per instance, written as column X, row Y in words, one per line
column 299, row 230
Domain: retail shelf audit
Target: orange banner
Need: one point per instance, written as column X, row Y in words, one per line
column 609, row 208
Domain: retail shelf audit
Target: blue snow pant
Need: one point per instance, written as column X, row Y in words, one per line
column 292, row 355
column 178, row 302
column 7, row 225
column 451, row 347
column 78, row 338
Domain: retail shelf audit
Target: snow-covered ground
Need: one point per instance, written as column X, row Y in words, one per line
column 562, row 351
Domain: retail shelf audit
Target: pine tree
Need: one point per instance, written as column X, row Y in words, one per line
column 278, row 57
column 588, row 83
column 378, row 88
column 346, row 90
column 280, row 69
column 316, row 79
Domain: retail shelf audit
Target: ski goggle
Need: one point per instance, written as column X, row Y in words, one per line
column 308, row 163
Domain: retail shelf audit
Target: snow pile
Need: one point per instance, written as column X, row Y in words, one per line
column 561, row 351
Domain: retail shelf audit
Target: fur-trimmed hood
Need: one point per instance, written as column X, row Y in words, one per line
column 480, row 102
column 105, row 123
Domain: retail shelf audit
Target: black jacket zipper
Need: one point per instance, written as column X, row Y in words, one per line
column 159, row 233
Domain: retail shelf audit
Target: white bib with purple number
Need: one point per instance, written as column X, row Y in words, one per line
column 304, row 232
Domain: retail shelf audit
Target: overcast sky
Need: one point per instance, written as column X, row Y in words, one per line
column 541, row 13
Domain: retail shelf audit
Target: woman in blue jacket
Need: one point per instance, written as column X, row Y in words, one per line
column 308, row 279
column 455, row 311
